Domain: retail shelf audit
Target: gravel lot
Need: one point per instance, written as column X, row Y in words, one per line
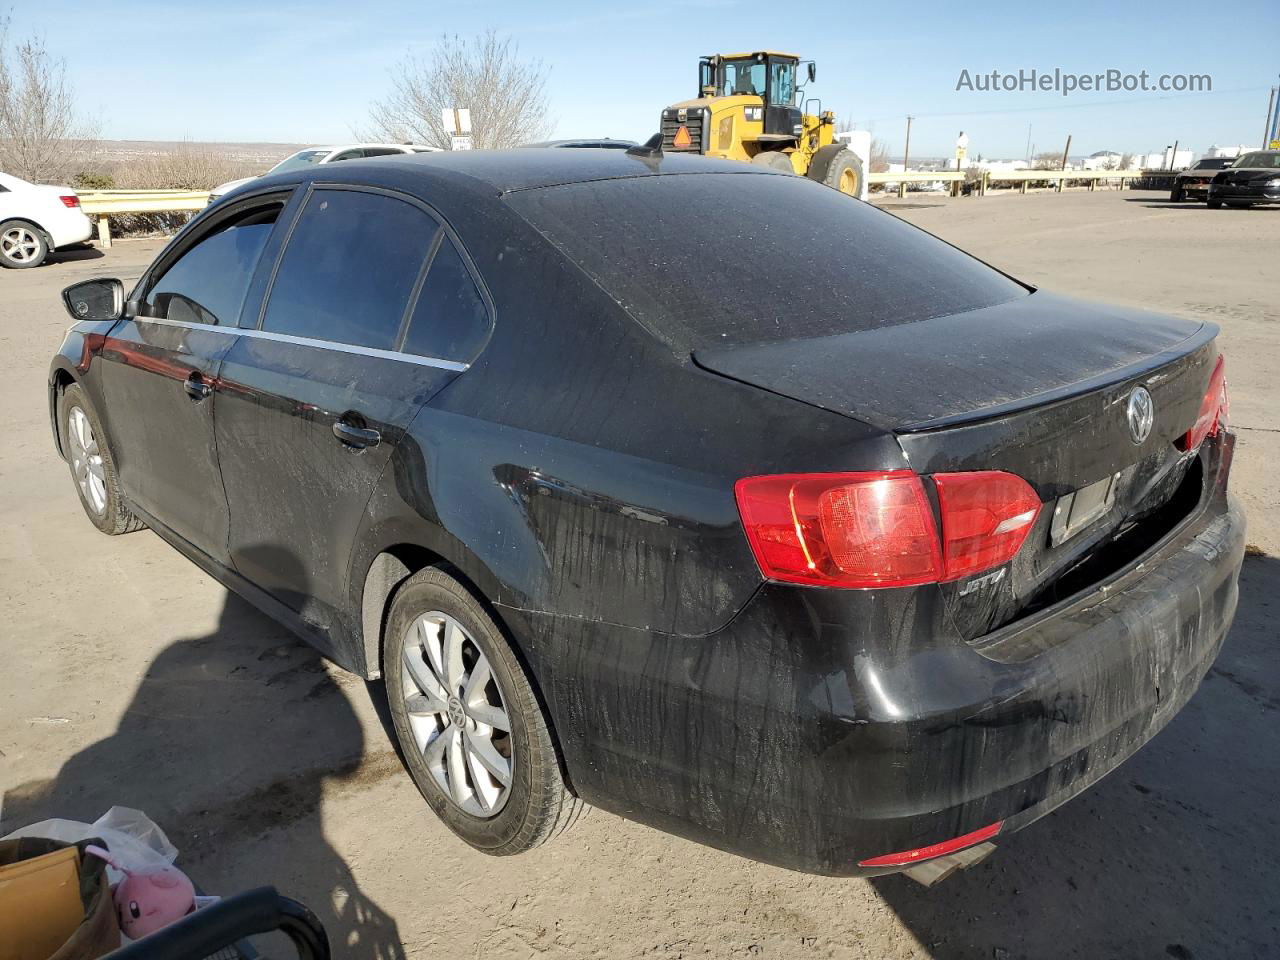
column 130, row 677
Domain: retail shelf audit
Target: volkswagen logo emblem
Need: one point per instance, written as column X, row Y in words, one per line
column 1141, row 414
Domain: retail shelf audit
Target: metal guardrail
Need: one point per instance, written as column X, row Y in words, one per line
column 105, row 203
column 1059, row 178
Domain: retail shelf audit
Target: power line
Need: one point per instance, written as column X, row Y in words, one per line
column 1065, row 106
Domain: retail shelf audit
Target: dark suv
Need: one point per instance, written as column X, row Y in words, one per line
column 681, row 487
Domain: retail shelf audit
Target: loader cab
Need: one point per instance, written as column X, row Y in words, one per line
column 771, row 76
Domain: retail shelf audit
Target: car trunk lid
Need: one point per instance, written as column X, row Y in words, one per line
column 1037, row 387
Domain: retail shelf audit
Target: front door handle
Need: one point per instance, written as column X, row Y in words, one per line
column 197, row 387
column 353, row 436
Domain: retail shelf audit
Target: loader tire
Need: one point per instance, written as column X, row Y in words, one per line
column 774, row 160
column 839, row 168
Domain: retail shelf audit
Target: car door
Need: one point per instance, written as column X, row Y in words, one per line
column 317, row 397
column 160, row 372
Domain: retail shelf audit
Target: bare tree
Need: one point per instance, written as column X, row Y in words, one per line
column 879, row 156
column 506, row 96
column 42, row 138
column 1047, row 161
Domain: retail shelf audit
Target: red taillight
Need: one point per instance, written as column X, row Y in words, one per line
column 933, row 850
column 1213, row 409
column 878, row 529
column 841, row 529
column 71, row 201
column 986, row 515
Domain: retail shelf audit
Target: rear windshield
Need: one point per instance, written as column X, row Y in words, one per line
column 724, row 259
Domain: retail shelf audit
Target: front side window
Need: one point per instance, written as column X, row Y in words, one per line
column 743, row 77
column 207, row 284
column 450, row 321
column 782, row 83
column 349, row 269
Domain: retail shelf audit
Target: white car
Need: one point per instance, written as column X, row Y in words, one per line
column 35, row 220
column 314, row 155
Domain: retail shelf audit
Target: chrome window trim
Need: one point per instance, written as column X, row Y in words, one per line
column 311, row 342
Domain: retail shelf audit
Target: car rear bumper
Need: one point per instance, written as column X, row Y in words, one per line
column 822, row 728
column 68, row 226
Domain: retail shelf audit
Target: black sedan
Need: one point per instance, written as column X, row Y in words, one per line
column 684, row 488
column 1253, row 178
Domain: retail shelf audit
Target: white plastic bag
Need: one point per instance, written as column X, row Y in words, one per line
column 131, row 836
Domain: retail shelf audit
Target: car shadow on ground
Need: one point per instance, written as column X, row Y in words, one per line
column 1169, row 856
column 74, row 254
column 228, row 743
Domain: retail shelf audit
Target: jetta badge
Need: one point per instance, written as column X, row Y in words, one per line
column 1141, row 414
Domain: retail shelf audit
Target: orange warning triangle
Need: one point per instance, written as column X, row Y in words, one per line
column 682, row 138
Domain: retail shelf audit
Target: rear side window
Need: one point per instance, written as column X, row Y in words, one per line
column 207, row 284
column 349, row 269
column 724, row 259
column 450, row 320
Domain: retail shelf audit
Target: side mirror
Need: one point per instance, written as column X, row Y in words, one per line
column 813, row 71
column 98, row 299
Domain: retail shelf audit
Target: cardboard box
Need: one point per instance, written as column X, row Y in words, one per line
column 40, row 906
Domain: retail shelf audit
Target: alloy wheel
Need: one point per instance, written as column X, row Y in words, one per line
column 86, row 461
column 457, row 714
column 19, row 245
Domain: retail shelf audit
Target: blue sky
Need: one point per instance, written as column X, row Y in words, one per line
column 307, row 72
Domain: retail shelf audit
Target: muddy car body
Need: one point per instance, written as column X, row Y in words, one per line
column 838, row 561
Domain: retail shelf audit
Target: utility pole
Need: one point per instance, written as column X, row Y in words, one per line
column 1065, row 151
column 906, row 159
column 1028, row 143
column 1173, row 157
column 1271, row 105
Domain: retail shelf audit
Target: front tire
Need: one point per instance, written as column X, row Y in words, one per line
column 839, row 168
column 1176, row 195
column 471, row 730
column 93, row 469
column 1214, row 204
column 23, row 245
column 774, row 160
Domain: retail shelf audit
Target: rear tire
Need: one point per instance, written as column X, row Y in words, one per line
column 774, row 160
column 838, row 167
column 23, row 245
column 93, row 469
column 457, row 760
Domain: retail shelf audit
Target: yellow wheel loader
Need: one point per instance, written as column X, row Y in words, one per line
column 749, row 108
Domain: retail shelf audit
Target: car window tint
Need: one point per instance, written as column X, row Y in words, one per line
column 349, row 269
column 733, row 258
column 450, row 321
column 381, row 151
column 207, row 284
column 348, row 155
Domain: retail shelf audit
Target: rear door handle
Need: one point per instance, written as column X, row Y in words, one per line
column 197, row 387
column 353, row 436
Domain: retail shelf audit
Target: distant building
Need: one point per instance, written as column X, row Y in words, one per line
column 1102, row 160
column 1217, row 151
column 1165, row 160
column 1000, row 166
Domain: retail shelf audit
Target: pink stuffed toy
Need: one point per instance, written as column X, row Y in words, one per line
column 147, row 901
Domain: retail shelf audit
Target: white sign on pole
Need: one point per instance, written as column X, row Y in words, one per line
column 457, row 124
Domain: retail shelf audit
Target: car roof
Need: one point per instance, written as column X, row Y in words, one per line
column 505, row 171
column 496, row 172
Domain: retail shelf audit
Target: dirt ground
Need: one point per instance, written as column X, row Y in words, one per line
column 130, row 677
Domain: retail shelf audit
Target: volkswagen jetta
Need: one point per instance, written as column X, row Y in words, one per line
column 684, row 488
